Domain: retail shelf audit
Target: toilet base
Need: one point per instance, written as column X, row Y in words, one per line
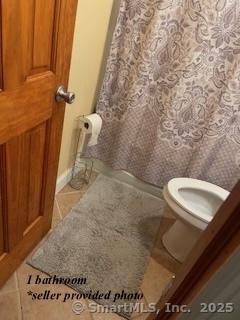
column 180, row 239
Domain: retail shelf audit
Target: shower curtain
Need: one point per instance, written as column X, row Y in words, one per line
column 170, row 100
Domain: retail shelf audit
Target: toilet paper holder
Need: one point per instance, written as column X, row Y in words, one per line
column 83, row 167
column 90, row 127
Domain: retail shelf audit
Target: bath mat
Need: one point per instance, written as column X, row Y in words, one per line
column 106, row 240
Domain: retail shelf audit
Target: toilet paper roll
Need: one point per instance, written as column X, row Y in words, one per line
column 90, row 127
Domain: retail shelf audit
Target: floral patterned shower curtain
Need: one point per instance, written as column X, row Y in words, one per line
column 170, row 101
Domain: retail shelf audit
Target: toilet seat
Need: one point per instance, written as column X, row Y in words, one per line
column 194, row 203
column 182, row 214
column 199, row 198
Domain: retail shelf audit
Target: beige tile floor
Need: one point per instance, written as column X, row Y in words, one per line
column 15, row 303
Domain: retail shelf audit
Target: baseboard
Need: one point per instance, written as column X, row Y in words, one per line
column 63, row 180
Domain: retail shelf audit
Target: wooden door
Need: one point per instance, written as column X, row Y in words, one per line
column 35, row 48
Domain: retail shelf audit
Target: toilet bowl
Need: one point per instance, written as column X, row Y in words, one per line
column 193, row 203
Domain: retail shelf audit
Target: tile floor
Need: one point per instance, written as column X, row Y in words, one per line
column 15, row 303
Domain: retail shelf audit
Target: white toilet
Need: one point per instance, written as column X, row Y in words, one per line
column 194, row 203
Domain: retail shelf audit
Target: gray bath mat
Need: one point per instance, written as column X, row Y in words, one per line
column 107, row 239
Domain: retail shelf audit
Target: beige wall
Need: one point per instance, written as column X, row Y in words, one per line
column 88, row 47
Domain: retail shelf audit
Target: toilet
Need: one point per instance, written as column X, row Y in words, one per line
column 193, row 203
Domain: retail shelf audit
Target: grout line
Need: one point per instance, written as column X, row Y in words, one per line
column 16, row 280
column 20, row 311
column 91, row 314
column 145, row 298
column 59, row 211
